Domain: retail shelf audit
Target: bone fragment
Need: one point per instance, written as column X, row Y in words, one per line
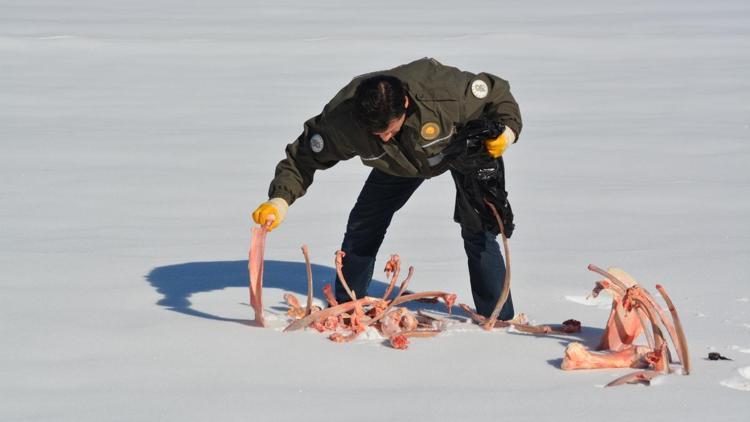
column 295, row 310
column 642, row 377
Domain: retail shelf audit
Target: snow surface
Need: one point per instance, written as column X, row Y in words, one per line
column 137, row 136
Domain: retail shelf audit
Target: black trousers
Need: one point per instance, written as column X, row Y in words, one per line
column 383, row 195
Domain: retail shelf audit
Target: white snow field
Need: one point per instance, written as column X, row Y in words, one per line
column 137, row 136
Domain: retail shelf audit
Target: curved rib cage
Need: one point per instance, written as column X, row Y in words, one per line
column 635, row 312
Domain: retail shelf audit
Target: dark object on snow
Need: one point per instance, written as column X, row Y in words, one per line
column 717, row 356
column 478, row 176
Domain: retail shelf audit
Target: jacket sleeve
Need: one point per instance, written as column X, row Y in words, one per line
column 489, row 96
column 319, row 147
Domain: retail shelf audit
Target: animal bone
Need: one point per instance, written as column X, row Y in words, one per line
column 577, row 357
column 448, row 298
column 490, row 323
column 684, row 356
column 643, row 377
column 634, row 310
column 328, row 292
column 306, row 253
column 255, row 268
column 401, row 291
column 639, row 297
column 392, row 269
column 339, row 270
column 521, row 323
column 332, row 311
column 295, row 310
column 401, row 340
column 398, row 320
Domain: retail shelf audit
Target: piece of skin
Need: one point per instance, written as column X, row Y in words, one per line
column 255, row 268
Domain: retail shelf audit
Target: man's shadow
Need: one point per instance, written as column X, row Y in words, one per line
column 177, row 283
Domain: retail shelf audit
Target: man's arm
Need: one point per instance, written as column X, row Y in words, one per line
column 489, row 96
column 317, row 148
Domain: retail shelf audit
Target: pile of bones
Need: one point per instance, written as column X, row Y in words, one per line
column 635, row 313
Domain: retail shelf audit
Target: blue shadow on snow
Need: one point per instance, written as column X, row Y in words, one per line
column 177, row 283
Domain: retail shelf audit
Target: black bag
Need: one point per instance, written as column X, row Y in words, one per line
column 479, row 177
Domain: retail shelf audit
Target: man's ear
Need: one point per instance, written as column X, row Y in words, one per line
column 406, row 101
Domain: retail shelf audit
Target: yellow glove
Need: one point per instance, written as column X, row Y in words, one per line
column 271, row 212
column 496, row 147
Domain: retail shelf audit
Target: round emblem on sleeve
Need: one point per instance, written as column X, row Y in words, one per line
column 316, row 143
column 479, row 88
column 430, row 131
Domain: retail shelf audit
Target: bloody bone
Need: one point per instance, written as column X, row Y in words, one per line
column 401, row 291
column 392, row 269
column 643, row 377
column 490, row 323
column 255, row 268
column 634, row 310
column 645, row 303
column 577, row 357
column 295, row 310
column 684, row 357
column 332, row 311
column 339, row 270
column 328, row 292
column 306, row 253
column 520, row 323
column 401, row 340
column 448, row 298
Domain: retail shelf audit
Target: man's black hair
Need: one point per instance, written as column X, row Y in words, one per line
column 378, row 100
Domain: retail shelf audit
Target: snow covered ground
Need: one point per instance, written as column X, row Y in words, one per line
column 137, row 136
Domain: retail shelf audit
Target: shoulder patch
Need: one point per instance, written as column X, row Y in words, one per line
column 316, row 143
column 479, row 88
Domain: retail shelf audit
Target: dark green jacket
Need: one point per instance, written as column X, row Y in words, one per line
column 441, row 99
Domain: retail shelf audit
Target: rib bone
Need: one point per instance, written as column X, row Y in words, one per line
column 255, row 268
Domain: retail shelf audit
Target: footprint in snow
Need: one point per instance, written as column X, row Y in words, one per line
column 741, row 381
